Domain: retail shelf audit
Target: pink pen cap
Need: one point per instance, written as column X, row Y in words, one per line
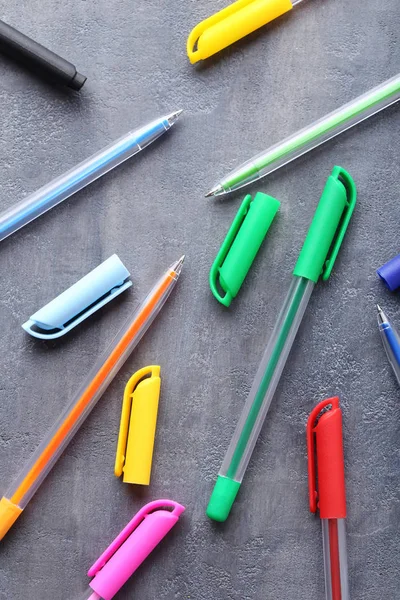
column 130, row 548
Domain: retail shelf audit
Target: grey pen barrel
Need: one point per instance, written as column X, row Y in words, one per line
column 43, row 61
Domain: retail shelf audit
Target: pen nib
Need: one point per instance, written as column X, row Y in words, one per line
column 382, row 318
column 215, row 191
column 173, row 117
column 177, row 266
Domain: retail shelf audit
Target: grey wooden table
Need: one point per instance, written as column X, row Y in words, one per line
column 150, row 211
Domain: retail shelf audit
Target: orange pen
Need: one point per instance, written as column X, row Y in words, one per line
column 28, row 481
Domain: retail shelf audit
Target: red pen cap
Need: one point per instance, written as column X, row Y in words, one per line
column 325, row 445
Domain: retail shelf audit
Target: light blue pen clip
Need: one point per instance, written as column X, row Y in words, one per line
column 81, row 300
column 75, row 179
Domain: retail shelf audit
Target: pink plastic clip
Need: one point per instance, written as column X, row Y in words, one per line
column 130, row 548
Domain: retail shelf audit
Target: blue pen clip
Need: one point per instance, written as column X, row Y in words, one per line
column 81, row 300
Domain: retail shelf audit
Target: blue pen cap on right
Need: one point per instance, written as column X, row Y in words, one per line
column 390, row 273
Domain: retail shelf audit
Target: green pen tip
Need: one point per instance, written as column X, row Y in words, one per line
column 215, row 191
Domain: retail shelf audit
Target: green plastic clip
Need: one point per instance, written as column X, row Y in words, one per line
column 348, row 182
column 241, row 245
column 328, row 227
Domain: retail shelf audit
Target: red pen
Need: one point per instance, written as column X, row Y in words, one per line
column 325, row 446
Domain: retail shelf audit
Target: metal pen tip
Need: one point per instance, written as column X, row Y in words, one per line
column 215, row 191
column 382, row 318
column 177, row 266
column 173, row 117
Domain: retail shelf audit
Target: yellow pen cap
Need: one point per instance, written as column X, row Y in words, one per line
column 9, row 513
column 138, row 426
column 231, row 24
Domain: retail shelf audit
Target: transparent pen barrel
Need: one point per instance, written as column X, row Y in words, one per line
column 313, row 135
column 266, row 380
column 391, row 343
column 335, row 559
column 77, row 178
column 47, row 454
column 330, row 126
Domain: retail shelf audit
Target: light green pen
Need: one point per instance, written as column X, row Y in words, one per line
column 316, row 258
column 310, row 137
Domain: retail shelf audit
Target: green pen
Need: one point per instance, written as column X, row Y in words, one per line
column 316, row 259
column 319, row 132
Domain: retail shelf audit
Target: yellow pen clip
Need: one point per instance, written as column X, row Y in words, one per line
column 231, row 24
column 138, row 426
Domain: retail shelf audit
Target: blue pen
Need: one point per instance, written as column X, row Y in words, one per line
column 391, row 341
column 80, row 176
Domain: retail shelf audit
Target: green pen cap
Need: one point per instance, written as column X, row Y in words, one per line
column 222, row 498
column 328, row 227
column 241, row 245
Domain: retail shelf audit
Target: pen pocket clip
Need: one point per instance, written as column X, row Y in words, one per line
column 311, row 426
column 326, row 460
column 346, row 180
column 160, row 516
column 241, row 245
column 138, row 426
column 81, row 300
column 231, row 24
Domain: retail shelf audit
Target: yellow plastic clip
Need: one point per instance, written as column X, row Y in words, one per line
column 231, row 24
column 138, row 426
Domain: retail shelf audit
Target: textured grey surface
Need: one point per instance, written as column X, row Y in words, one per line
column 150, row 211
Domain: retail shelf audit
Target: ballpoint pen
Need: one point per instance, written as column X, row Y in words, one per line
column 130, row 548
column 89, row 170
column 391, row 342
column 310, row 137
column 325, row 448
column 316, row 259
column 32, row 475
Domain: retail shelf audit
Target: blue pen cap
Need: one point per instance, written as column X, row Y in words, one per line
column 81, row 300
column 390, row 273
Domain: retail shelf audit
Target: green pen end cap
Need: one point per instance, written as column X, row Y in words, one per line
column 222, row 498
